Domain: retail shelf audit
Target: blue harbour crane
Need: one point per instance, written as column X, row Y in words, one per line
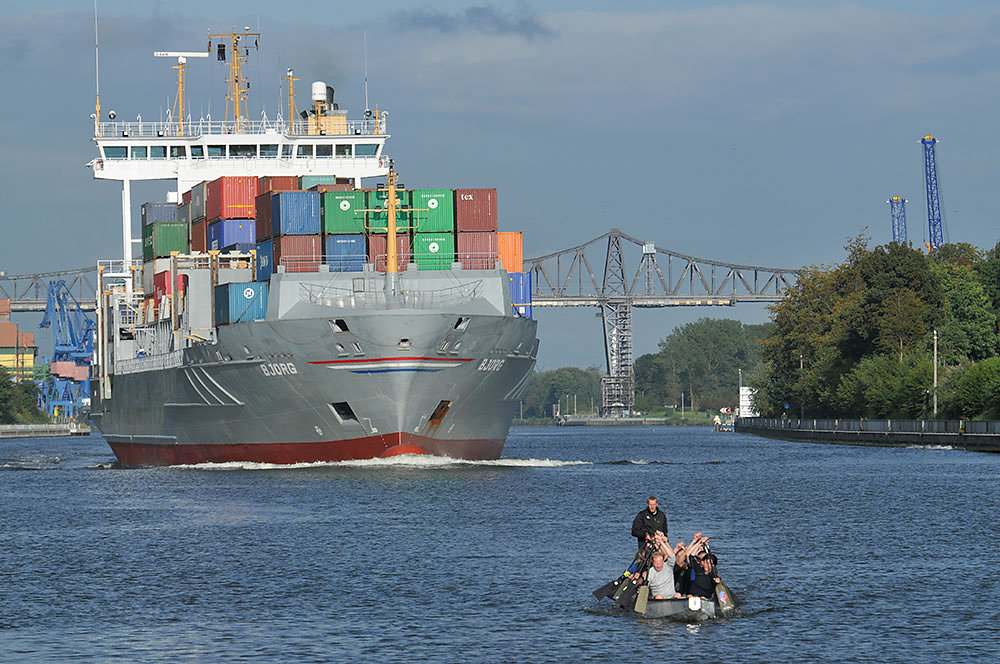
column 897, row 209
column 935, row 225
column 66, row 392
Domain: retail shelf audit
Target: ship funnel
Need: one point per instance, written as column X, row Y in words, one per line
column 319, row 91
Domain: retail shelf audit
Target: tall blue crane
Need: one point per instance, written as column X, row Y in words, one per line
column 897, row 209
column 67, row 391
column 935, row 226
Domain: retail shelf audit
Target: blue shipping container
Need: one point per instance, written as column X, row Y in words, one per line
column 345, row 253
column 154, row 213
column 240, row 247
column 520, row 293
column 240, row 302
column 265, row 260
column 295, row 213
column 226, row 232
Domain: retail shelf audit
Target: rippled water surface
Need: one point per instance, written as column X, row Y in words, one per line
column 841, row 554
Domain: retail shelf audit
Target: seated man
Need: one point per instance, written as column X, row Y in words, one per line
column 703, row 579
column 661, row 577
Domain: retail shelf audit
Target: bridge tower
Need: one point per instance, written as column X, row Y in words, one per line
column 935, row 225
column 897, row 210
column 618, row 386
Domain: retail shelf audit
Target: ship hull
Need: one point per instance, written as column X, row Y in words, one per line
column 300, row 391
column 139, row 453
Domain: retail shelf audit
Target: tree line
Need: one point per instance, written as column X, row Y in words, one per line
column 18, row 401
column 851, row 340
column 857, row 339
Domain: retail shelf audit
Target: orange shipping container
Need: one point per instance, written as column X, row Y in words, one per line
column 511, row 251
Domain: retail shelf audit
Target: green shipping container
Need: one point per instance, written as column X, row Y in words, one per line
column 341, row 213
column 436, row 210
column 158, row 240
column 310, row 181
column 434, row 251
column 378, row 221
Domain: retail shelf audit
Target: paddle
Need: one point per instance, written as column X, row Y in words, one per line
column 727, row 600
column 614, row 588
column 641, row 599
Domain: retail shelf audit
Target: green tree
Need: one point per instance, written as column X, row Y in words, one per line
column 18, row 401
column 550, row 387
column 701, row 359
column 975, row 390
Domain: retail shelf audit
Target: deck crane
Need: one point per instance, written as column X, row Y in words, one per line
column 66, row 391
column 935, row 225
column 897, row 209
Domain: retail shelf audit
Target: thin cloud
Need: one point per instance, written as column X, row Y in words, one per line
column 486, row 19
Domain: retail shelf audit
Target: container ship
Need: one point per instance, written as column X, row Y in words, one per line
column 282, row 313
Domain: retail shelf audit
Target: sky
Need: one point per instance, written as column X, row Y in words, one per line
column 761, row 133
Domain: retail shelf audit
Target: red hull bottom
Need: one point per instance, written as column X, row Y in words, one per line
column 371, row 447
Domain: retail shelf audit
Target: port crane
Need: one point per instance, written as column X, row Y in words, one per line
column 66, row 392
column 897, row 210
column 935, row 224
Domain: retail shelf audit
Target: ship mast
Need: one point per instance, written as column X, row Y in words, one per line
column 290, row 77
column 180, row 66
column 238, row 88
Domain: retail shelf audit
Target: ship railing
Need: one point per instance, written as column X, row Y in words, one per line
column 195, row 128
column 357, row 262
column 158, row 362
column 350, row 298
column 470, row 260
column 118, row 268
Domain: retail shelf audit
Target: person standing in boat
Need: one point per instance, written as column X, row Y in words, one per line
column 648, row 521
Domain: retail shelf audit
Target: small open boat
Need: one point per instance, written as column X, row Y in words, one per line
column 691, row 609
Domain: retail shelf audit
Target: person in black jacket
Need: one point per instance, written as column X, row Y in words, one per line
column 648, row 521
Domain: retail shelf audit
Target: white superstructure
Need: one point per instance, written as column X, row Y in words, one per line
column 323, row 142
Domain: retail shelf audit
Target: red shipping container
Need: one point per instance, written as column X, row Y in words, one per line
column 298, row 253
column 162, row 283
column 199, row 236
column 475, row 210
column 263, row 205
column 477, row 251
column 332, row 187
column 186, row 196
column 277, row 183
column 377, row 245
column 231, row 198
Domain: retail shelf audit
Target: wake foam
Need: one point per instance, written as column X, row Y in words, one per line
column 416, row 461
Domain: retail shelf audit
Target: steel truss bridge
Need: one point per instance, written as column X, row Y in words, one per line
column 661, row 278
column 30, row 292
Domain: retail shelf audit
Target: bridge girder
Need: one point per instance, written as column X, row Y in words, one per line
column 29, row 292
column 688, row 281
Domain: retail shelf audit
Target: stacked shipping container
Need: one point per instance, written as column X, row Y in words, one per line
column 300, row 223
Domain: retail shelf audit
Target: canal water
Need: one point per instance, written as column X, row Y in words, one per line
column 840, row 554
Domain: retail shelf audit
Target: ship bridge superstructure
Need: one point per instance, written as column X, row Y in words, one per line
column 322, row 140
